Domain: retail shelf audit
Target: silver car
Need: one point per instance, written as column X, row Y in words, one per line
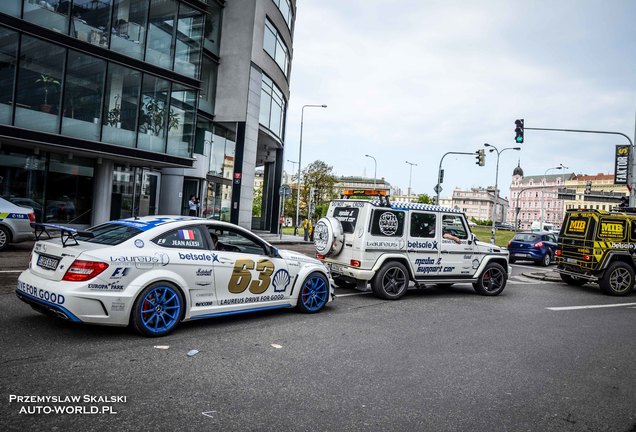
column 15, row 223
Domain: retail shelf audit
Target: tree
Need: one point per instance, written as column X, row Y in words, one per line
column 424, row 199
column 257, row 202
column 317, row 175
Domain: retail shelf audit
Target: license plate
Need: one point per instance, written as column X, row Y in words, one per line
column 570, row 260
column 48, row 262
column 336, row 268
column 520, row 255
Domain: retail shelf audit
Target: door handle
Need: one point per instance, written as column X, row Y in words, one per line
column 445, row 252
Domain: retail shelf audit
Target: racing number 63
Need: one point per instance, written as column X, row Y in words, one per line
column 241, row 276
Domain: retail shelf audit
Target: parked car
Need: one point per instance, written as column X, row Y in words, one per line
column 15, row 223
column 156, row 271
column 537, row 246
column 388, row 245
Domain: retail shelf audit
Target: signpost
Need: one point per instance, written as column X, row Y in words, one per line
column 284, row 191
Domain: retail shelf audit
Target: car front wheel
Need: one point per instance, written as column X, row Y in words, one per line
column 491, row 281
column 314, row 293
column 618, row 279
column 4, row 238
column 158, row 309
column 391, row 282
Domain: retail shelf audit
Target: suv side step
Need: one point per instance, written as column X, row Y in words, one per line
column 578, row 275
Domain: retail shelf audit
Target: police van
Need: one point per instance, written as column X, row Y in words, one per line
column 390, row 244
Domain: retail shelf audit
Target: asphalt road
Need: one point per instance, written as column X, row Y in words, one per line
column 438, row 360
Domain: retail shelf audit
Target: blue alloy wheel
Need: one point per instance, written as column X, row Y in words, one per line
column 314, row 293
column 157, row 310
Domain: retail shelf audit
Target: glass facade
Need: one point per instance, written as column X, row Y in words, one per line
column 121, row 105
column 8, row 61
column 59, row 188
column 90, row 21
column 286, row 10
column 274, row 46
column 212, row 29
column 272, row 107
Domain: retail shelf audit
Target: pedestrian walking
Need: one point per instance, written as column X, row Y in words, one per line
column 306, row 225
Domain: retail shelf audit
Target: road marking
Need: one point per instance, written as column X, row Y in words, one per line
column 591, row 306
column 11, row 271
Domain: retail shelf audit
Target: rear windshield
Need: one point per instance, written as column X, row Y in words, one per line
column 526, row 237
column 110, row 234
column 348, row 216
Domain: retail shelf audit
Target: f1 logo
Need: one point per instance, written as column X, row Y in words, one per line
column 120, row 272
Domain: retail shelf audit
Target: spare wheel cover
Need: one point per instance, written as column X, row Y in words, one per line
column 328, row 236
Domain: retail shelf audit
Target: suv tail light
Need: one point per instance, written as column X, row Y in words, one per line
column 355, row 263
column 509, row 243
column 320, row 257
column 81, row 271
column 558, row 252
column 538, row 244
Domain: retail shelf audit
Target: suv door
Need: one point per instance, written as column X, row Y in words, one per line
column 423, row 245
column 456, row 247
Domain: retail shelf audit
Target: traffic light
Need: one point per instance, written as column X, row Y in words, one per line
column 481, row 157
column 623, row 203
column 588, row 187
column 519, row 131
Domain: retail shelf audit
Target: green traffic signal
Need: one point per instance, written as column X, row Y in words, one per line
column 519, row 131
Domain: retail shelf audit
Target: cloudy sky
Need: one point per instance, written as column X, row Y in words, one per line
column 408, row 80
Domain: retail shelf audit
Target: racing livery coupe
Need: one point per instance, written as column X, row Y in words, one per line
column 154, row 272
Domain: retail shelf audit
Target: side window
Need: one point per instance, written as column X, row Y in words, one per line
column 234, row 241
column 612, row 229
column 423, row 225
column 454, row 225
column 632, row 224
column 183, row 238
column 388, row 223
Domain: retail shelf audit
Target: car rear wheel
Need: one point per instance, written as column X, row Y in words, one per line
column 158, row 309
column 572, row 280
column 491, row 281
column 547, row 259
column 618, row 279
column 314, row 293
column 5, row 238
column 391, row 282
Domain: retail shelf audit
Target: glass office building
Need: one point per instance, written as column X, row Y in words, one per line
column 110, row 108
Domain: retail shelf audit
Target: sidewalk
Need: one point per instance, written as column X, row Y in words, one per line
column 276, row 238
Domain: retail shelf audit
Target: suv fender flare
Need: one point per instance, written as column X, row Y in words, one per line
column 393, row 257
column 617, row 256
column 492, row 258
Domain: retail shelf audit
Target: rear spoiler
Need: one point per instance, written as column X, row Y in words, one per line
column 67, row 234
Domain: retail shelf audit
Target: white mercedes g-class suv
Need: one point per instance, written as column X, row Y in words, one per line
column 390, row 244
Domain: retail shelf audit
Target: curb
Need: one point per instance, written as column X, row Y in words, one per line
column 546, row 276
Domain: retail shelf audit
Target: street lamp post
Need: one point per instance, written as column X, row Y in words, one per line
column 543, row 193
column 375, row 169
column 494, row 204
column 410, row 173
column 300, row 152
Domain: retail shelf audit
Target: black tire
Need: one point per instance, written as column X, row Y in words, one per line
column 5, row 238
column 572, row 280
column 166, row 311
column 618, row 279
column 491, row 281
column 328, row 236
column 391, row 282
column 546, row 260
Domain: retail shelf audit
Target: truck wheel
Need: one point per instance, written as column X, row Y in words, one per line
column 618, row 279
column 391, row 282
column 328, row 236
column 491, row 281
column 572, row 280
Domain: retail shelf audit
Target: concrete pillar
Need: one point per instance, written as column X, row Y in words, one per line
column 171, row 194
column 102, row 192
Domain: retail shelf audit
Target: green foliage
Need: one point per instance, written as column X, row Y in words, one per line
column 317, row 175
column 502, row 237
column 257, row 202
column 424, row 199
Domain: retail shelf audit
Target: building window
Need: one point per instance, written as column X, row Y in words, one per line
column 181, row 120
column 121, row 106
column 8, row 60
column 212, row 29
column 153, row 114
column 128, row 32
column 209, row 73
column 274, row 46
column 272, row 107
column 83, row 96
column 188, row 44
column 159, row 49
column 52, row 14
column 91, row 21
column 39, row 81
column 286, row 10
column 10, row 7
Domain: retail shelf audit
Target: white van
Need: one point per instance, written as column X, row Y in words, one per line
column 390, row 244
